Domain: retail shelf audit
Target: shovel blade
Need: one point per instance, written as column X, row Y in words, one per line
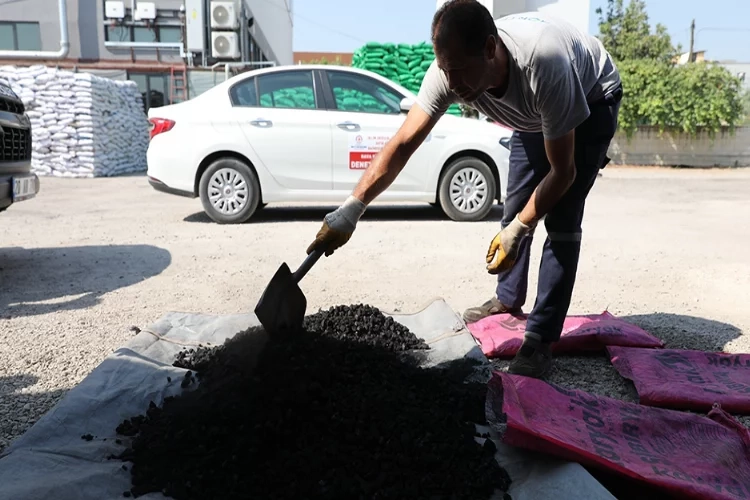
column 281, row 308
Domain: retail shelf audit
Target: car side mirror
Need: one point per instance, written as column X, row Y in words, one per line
column 406, row 104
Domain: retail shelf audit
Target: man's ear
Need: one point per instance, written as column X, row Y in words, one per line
column 490, row 47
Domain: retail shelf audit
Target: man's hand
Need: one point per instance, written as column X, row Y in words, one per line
column 504, row 247
column 338, row 226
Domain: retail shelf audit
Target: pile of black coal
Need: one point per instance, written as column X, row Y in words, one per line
column 342, row 411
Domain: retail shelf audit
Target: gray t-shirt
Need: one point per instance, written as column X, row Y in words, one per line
column 555, row 71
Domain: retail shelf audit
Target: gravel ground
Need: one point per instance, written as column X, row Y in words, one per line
column 88, row 259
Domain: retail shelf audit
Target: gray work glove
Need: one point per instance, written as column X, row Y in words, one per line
column 338, row 226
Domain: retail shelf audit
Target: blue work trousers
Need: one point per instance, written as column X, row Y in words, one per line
column 559, row 263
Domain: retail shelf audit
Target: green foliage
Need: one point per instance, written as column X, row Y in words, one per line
column 626, row 33
column 684, row 98
column 746, row 106
column 324, row 60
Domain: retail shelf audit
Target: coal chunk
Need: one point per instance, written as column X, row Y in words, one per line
column 366, row 324
column 342, row 410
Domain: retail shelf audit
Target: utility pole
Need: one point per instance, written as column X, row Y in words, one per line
column 692, row 41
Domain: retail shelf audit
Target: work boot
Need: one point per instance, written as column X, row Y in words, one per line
column 532, row 360
column 492, row 306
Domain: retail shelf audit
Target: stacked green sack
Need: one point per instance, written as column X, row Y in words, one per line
column 353, row 100
column 301, row 97
column 401, row 63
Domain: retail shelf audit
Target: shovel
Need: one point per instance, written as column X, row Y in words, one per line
column 281, row 308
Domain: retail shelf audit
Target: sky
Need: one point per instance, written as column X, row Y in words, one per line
column 721, row 26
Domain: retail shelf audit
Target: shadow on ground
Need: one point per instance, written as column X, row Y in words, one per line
column 20, row 411
column 41, row 280
column 374, row 213
column 680, row 331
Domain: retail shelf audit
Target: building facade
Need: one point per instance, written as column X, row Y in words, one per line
column 576, row 12
column 740, row 70
column 163, row 45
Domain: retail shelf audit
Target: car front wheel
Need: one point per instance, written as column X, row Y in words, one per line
column 467, row 190
column 229, row 191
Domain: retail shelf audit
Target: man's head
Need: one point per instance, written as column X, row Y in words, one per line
column 465, row 39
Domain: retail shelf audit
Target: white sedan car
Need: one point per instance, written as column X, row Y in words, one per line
column 306, row 133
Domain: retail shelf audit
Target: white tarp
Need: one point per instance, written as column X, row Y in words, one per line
column 51, row 461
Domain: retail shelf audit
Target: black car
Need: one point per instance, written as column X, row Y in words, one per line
column 17, row 182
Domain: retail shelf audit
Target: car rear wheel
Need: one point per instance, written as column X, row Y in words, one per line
column 467, row 190
column 229, row 191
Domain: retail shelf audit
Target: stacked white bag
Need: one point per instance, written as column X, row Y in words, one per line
column 82, row 125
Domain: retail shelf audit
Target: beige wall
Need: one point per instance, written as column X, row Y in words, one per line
column 647, row 147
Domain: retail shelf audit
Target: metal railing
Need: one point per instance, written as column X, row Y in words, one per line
column 228, row 65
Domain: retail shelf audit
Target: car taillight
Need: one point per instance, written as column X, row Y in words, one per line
column 160, row 125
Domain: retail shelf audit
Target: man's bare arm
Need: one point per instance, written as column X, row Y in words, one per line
column 389, row 162
column 556, row 183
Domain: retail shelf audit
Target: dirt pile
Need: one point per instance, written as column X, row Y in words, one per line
column 343, row 411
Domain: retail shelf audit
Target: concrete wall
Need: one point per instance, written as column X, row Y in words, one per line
column 647, row 147
column 573, row 11
column 272, row 29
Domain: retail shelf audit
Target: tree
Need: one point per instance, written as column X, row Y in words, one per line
column 626, row 33
column 658, row 92
column 746, row 104
column 685, row 98
column 324, row 60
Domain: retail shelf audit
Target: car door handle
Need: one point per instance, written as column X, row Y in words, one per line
column 260, row 122
column 352, row 127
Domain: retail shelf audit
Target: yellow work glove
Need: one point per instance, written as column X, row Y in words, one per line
column 503, row 250
column 338, row 226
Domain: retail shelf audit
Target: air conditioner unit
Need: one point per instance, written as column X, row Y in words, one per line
column 225, row 45
column 145, row 10
column 225, row 15
column 114, row 10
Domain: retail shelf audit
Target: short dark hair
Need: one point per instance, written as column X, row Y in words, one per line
column 467, row 21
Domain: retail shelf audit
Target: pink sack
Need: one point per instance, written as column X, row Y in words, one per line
column 500, row 335
column 682, row 454
column 686, row 380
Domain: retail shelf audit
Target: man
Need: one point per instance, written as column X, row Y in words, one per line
column 559, row 90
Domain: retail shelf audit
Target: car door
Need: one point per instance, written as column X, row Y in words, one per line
column 365, row 114
column 281, row 116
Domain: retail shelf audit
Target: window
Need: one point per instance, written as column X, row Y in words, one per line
column 291, row 89
column 362, row 94
column 244, row 94
column 170, row 34
column 20, row 36
column 143, row 34
column 154, row 88
column 164, row 33
column 118, row 34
